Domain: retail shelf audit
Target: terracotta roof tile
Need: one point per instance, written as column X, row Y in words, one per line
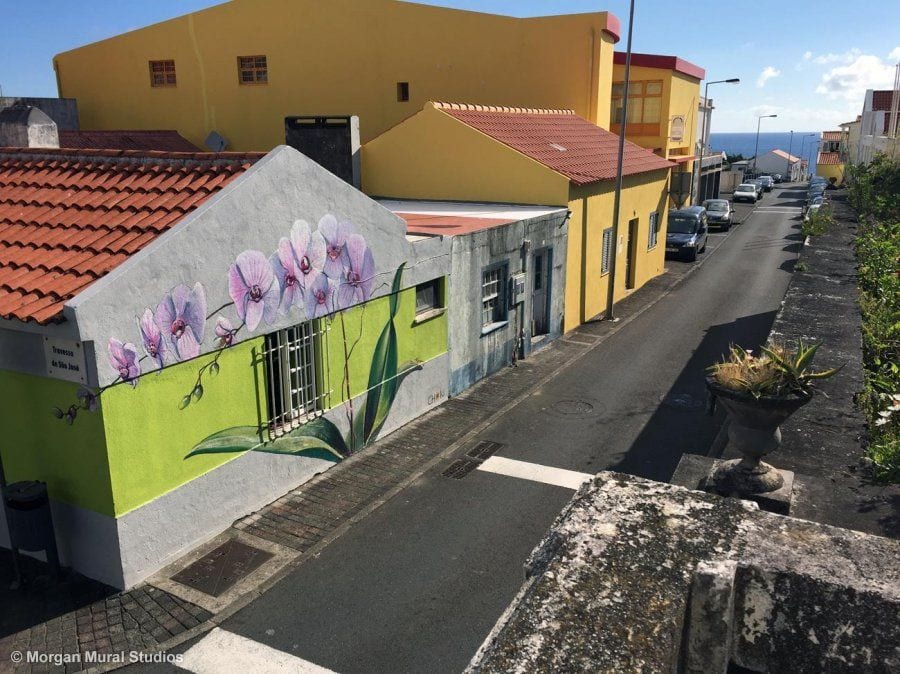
column 165, row 140
column 67, row 217
column 831, row 135
column 558, row 139
column 829, row 159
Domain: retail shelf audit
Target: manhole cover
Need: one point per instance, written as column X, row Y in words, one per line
column 460, row 468
column 682, row 401
column 575, row 408
column 219, row 570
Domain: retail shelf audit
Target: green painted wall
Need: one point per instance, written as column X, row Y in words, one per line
column 38, row 446
column 148, row 436
column 364, row 323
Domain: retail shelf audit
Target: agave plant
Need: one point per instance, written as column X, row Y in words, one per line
column 778, row 371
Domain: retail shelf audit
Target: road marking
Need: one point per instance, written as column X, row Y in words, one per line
column 224, row 651
column 535, row 472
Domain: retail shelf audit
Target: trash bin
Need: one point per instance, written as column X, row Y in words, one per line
column 29, row 519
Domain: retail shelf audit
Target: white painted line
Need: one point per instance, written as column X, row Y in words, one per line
column 535, row 472
column 223, row 651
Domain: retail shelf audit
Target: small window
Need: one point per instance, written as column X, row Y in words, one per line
column 253, row 70
column 428, row 297
column 293, row 390
column 606, row 255
column 162, row 73
column 402, row 92
column 493, row 296
column 654, row 230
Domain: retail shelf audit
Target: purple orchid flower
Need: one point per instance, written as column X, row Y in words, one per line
column 254, row 288
column 224, row 333
column 359, row 275
column 319, row 297
column 152, row 338
column 335, row 235
column 123, row 358
column 297, row 263
column 181, row 317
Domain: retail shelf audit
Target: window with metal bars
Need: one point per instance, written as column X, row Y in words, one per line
column 493, row 296
column 294, row 389
column 654, row 230
column 607, row 253
column 162, row 73
column 253, row 70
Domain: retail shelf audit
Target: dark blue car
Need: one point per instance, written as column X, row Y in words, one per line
column 688, row 232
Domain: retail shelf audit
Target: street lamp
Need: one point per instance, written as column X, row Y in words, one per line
column 802, row 144
column 705, row 134
column 790, row 147
column 759, row 120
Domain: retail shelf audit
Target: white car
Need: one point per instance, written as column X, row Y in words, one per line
column 745, row 192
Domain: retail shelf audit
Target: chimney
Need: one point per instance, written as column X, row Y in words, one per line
column 26, row 126
column 332, row 142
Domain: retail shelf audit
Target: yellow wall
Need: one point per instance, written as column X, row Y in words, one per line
column 592, row 213
column 830, row 171
column 435, row 156
column 336, row 57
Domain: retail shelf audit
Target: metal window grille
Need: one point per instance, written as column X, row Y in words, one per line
column 654, row 230
column 253, row 70
column 492, row 307
column 607, row 252
column 162, row 73
column 294, row 389
column 427, row 296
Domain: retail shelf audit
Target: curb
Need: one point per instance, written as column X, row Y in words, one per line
column 267, row 584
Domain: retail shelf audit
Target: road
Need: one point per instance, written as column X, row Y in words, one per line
column 418, row 584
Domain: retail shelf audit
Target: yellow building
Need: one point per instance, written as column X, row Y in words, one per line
column 533, row 156
column 241, row 67
column 663, row 109
column 830, row 162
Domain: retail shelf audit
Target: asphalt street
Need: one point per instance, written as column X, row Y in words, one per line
column 419, row 583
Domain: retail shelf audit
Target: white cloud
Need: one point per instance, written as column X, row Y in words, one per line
column 894, row 55
column 767, row 74
column 850, row 81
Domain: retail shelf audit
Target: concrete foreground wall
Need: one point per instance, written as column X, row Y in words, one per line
column 638, row 575
column 63, row 111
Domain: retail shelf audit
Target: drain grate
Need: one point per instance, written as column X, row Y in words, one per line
column 460, row 468
column 484, row 449
column 222, row 568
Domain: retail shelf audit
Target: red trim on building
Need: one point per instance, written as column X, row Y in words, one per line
column 613, row 26
column 662, row 62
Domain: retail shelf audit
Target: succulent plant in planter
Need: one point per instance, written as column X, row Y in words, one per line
column 760, row 392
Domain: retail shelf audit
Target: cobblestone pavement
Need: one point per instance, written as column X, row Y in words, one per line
column 147, row 617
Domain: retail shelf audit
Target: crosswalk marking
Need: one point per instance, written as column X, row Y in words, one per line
column 559, row 477
column 224, row 651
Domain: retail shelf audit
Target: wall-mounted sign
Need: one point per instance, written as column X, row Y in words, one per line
column 677, row 128
column 65, row 359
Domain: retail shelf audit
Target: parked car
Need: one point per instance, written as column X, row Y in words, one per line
column 759, row 187
column 745, row 192
column 767, row 182
column 688, row 232
column 719, row 212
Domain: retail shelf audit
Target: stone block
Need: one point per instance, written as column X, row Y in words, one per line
column 711, row 618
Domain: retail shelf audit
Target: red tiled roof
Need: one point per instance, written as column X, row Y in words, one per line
column 68, row 217
column 558, row 139
column 831, row 135
column 662, row 62
column 881, row 100
column 163, row 141
column 448, row 225
column 785, row 155
column 829, row 159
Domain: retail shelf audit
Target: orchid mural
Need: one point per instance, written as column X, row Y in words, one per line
column 317, row 272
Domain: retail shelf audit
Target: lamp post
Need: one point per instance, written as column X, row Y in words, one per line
column 802, row 145
column 705, row 133
column 610, row 299
column 759, row 120
column 790, row 147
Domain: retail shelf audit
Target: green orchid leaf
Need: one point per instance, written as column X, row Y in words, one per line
column 395, row 291
column 228, row 441
column 323, row 430
column 310, row 446
column 382, row 376
column 388, row 395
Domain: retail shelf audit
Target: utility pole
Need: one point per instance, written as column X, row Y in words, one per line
column 705, row 133
column 759, row 120
column 790, row 147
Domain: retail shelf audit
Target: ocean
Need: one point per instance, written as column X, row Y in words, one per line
column 744, row 143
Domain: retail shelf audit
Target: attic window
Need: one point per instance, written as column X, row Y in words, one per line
column 557, row 146
column 162, row 73
column 402, row 92
column 253, row 70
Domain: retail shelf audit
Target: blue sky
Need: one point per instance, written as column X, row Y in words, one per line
column 808, row 62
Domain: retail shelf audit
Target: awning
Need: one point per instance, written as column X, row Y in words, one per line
column 679, row 159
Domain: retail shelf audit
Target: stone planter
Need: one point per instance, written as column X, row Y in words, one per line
column 754, row 431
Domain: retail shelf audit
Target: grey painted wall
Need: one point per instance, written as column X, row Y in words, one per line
column 63, row 111
column 25, row 126
column 474, row 355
